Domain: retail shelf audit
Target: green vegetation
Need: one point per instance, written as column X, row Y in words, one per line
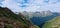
column 8, row 26
column 54, row 23
column 9, row 15
column 12, row 20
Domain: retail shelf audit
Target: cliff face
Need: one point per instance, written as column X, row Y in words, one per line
column 8, row 19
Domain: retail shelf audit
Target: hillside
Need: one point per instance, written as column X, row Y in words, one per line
column 31, row 25
column 54, row 23
column 8, row 19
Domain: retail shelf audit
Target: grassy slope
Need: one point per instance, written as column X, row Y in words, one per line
column 52, row 23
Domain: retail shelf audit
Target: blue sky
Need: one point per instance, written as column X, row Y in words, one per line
column 31, row 5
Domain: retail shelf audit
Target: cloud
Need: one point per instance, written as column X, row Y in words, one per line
column 1, row 2
column 32, row 5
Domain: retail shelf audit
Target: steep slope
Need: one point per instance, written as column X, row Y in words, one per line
column 8, row 17
column 54, row 23
column 31, row 25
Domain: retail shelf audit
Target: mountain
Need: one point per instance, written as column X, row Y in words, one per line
column 28, row 21
column 41, row 20
column 42, row 13
column 27, row 14
column 8, row 19
column 54, row 23
column 37, row 14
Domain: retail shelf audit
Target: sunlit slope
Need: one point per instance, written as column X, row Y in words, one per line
column 54, row 23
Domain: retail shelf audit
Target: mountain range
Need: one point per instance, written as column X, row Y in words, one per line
column 39, row 18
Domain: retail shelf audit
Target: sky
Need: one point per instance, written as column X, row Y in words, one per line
column 31, row 5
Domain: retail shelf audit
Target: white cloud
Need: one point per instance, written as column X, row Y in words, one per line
column 32, row 5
